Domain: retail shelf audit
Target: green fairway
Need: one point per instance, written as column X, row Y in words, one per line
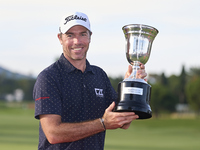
column 156, row 134
column 19, row 131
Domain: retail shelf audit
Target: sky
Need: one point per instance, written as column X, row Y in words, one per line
column 29, row 28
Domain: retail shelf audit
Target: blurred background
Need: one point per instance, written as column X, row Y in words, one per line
column 28, row 35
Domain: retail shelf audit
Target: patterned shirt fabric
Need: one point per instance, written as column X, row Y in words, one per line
column 76, row 96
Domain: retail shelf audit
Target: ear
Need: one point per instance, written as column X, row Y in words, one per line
column 90, row 35
column 60, row 37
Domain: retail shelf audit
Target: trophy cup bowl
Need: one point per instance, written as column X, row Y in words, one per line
column 133, row 93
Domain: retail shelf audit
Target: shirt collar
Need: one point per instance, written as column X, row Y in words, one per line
column 68, row 67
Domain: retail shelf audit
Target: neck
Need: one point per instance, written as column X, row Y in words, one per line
column 79, row 64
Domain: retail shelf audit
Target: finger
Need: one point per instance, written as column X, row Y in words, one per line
column 141, row 74
column 129, row 119
column 125, row 123
column 142, row 66
column 111, row 107
column 124, row 114
column 125, row 126
column 129, row 69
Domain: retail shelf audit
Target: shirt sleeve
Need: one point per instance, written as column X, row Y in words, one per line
column 47, row 95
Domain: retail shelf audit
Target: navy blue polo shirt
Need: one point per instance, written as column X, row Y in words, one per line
column 76, row 96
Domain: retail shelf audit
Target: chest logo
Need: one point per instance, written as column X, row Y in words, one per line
column 99, row 92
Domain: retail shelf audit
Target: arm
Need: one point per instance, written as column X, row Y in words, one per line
column 58, row 132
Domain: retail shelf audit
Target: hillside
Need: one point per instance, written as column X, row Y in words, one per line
column 9, row 74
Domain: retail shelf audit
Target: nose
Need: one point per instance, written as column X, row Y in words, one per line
column 77, row 40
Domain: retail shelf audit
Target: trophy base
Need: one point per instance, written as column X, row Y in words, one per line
column 134, row 96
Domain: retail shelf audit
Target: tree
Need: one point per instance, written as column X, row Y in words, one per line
column 174, row 86
column 9, row 85
column 193, row 93
column 27, row 86
column 162, row 99
column 182, row 86
column 192, row 89
column 162, row 96
column 164, row 80
column 195, row 71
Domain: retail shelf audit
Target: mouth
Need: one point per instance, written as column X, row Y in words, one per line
column 77, row 49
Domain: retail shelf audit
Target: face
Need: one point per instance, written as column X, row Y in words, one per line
column 75, row 43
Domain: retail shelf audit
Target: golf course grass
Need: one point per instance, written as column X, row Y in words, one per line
column 156, row 134
column 19, row 131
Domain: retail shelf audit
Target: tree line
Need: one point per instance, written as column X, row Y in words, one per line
column 166, row 92
column 9, row 85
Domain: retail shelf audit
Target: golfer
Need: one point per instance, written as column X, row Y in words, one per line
column 74, row 99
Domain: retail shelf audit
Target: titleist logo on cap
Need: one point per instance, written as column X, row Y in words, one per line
column 74, row 17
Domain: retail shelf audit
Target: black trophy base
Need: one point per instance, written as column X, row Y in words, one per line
column 134, row 96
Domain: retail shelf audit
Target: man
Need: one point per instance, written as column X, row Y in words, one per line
column 73, row 99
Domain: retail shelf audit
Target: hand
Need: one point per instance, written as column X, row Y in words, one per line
column 141, row 74
column 114, row 120
column 126, row 126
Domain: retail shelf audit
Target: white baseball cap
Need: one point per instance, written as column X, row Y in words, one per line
column 73, row 19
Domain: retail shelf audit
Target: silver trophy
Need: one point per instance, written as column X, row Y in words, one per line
column 133, row 93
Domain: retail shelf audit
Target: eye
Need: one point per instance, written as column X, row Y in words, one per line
column 84, row 34
column 69, row 35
